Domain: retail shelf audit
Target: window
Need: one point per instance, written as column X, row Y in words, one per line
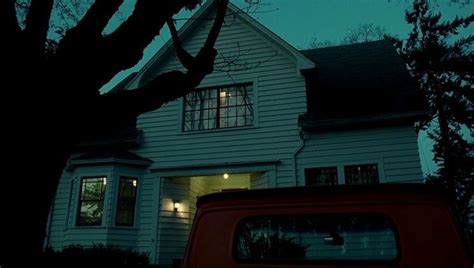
column 361, row 174
column 222, row 107
column 312, row 238
column 321, row 176
column 91, row 201
column 127, row 194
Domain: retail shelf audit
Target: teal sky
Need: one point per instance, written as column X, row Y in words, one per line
column 299, row 21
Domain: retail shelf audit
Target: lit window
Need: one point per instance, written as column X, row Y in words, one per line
column 126, row 202
column 222, row 107
column 321, row 176
column 361, row 174
column 91, row 201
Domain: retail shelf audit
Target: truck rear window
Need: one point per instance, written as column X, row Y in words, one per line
column 314, row 238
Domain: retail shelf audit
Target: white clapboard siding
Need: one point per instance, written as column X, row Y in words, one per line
column 394, row 149
column 279, row 98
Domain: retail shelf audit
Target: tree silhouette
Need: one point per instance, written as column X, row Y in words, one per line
column 53, row 98
column 443, row 64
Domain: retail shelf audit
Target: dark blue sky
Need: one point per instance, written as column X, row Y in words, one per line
column 299, row 21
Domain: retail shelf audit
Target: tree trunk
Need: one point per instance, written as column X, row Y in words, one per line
column 448, row 173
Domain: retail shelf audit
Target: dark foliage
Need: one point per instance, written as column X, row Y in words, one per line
column 52, row 87
column 98, row 254
column 443, row 64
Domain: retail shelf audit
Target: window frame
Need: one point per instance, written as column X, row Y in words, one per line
column 364, row 164
column 341, row 171
column 80, row 200
column 306, row 170
column 241, row 221
column 117, row 203
column 253, row 98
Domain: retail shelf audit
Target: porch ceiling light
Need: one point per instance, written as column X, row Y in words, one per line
column 226, row 176
column 176, row 205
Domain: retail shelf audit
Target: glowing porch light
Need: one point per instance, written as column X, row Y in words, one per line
column 176, row 205
column 105, row 181
column 134, row 182
column 226, row 176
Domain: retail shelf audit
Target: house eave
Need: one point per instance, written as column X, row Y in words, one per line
column 311, row 123
column 214, row 165
column 73, row 164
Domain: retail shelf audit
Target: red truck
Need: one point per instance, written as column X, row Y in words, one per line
column 387, row 225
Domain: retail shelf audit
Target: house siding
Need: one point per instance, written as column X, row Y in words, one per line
column 394, row 149
column 275, row 84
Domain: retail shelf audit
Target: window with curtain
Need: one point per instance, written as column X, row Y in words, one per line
column 91, row 201
column 362, row 174
column 127, row 195
column 220, row 107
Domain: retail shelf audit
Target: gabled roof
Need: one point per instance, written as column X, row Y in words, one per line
column 187, row 29
column 357, row 80
column 373, row 64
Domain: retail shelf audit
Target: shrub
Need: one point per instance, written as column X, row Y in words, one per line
column 98, row 254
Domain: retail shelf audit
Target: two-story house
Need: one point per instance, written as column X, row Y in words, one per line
column 269, row 116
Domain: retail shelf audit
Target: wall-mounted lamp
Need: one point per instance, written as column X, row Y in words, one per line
column 134, row 183
column 176, row 205
column 226, row 176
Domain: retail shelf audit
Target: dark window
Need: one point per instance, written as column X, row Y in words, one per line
column 321, row 176
column 222, row 107
column 362, row 174
column 126, row 202
column 91, row 201
column 313, row 238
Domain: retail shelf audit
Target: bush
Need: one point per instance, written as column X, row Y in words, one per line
column 98, row 254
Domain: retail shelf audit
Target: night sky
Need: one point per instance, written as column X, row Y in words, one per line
column 299, row 21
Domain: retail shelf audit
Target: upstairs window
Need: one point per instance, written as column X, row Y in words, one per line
column 91, row 201
column 221, row 107
column 362, row 174
column 127, row 195
column 321, row 176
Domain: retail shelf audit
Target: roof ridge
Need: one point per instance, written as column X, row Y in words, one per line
column 346, row 45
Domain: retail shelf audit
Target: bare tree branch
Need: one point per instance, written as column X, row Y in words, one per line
column 97, row 17
column 37, row 25
column 133, row 35
column 207, row 53
column 184, row 57
column 162, row 89
column 169, row 86
column 216, row 27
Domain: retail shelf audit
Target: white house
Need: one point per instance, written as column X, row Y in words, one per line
column 275, row 117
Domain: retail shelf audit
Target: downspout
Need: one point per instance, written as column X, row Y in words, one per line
column 295, row 154
column 310, row 76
